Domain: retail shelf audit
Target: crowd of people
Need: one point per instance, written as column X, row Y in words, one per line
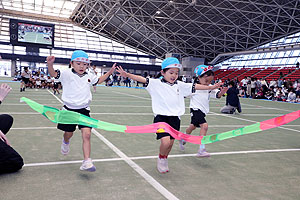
column 275, row 90
column 37, row 80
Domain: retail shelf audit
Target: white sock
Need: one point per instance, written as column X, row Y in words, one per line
column 202, row 146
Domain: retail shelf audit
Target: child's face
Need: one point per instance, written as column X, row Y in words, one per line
column 205, row 80
column 79, row 67
column 171, row 75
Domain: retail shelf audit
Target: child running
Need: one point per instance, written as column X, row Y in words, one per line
column 167, row 95
column 77, row 97
column 199, row 105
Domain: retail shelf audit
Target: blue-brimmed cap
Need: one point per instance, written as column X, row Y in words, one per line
column 171, row 62
column 201, row 69
column 80, row 56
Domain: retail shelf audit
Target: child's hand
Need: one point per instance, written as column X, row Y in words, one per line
column 4, row 90
column 121, row 71
column 112, row 69
column 50, row 59
column 217, row 85
column 4, row 138
column 224, row 89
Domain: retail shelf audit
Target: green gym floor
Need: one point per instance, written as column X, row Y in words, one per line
column 260, row 166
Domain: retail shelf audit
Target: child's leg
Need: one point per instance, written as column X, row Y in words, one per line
column 203, row 129
column 65, row 146
column 190, row 129
column 67, row 136
column 86, row 142
column 202, row 151
column 165, row 146
column 164, row 150
column 87, row 164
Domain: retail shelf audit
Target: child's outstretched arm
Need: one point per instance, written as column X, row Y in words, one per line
column 207, row 87
column 222, row 92
column 105, row 76
column 131, row 76
column 50, row 61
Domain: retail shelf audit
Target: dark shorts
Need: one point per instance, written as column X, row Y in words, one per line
column 25, row 80
column 197, row 117
column 173, row 121
column 55, row 86
column 72, row 127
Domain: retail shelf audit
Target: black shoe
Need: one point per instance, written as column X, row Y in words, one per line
column 21, row 89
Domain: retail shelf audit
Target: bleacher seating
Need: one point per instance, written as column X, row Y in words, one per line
column 266, row 72
column 237, row 73
column 281, row 72
column 295, row 75
column 250, row 73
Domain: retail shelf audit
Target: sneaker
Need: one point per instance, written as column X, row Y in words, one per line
column 181, row 143
column 202, row 153
column 166, row 165
column 65, row 148
column 87, row 165
column 162, row 166
column 21, row 90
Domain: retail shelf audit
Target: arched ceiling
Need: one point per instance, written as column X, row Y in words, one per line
column 199, row 28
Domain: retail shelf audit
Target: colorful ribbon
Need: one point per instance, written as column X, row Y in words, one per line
column 69, row 117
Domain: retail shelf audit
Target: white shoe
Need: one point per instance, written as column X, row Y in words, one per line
column 166, row 165
column 181, row 143
column 161, row 166
column 87, row 165
column 65, row 148
column 202, row 153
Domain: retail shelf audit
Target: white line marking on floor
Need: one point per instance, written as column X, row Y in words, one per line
column 150, row 113
column 154, row 157
column 131, row 95
column 211, row 126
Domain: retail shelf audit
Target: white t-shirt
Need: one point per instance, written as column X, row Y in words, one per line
column 26, row 74
column 244, row 82
column 168, row 99
column 76, row 89
column 200, row 99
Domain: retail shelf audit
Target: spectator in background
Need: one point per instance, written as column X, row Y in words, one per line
column 289, row 83
column 264, row 85
column 244, row 85
column 248, row 86
column 253, row 87
column 279, row 83
column 26, row 75
column 10, row 160
column 232, row 100
column 291, row 96
column 297, row 99
column 279, row 96
column 273, row 83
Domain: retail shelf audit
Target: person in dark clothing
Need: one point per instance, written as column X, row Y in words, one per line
column 232, row 100
column 10, row 160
